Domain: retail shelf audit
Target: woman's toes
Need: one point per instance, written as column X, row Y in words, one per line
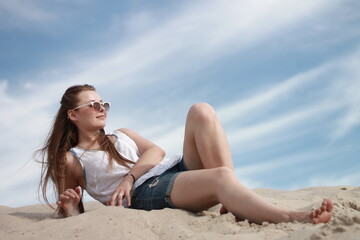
column 329, row 205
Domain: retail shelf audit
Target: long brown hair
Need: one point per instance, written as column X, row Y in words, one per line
column 61, row 138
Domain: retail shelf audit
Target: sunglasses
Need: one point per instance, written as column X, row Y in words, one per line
column 96, row 105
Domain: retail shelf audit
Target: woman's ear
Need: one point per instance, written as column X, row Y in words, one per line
column 71, row 115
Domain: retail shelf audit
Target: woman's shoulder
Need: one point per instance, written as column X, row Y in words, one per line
column 72, row 163
column 70, row 157
column 123, row 136
column 121, row 133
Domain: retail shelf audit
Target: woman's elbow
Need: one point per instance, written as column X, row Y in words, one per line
column 161, row 151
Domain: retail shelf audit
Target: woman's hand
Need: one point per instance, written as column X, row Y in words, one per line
column 69, row 201
column 122, row 191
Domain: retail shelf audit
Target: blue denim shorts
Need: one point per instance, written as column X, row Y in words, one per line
column 154, row 193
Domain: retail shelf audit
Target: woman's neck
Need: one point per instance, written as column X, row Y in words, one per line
column 89, row 140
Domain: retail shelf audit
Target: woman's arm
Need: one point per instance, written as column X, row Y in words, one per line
column 70, row 200
column 150, row 156
column 150, row 153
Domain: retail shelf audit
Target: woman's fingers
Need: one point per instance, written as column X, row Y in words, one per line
column 119, row 199
column 75, row 191
column 113, row 198
column 69, row 195
column 123, row 191
column 128, row 199
column 78, row 190
column 121, row 196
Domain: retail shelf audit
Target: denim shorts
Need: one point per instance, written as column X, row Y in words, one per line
column 154, row 193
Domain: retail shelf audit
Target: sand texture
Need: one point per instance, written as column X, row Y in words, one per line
column 101, row 222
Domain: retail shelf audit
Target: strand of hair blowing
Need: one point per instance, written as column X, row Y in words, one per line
column 107, row 146
column 61, row 138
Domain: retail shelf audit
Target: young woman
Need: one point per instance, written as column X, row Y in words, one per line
column 124, row 169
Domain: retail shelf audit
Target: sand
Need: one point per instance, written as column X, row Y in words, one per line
column 101, row 222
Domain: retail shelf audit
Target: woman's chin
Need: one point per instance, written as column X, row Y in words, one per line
column 101, row 121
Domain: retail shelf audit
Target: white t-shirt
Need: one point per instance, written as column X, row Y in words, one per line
column 100, row 182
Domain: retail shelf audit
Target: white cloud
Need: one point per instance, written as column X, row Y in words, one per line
column 291, row 163
column 245, row 24
column 270, row 96
column 289, row 122
column 273, row 164
column 334, row 180
column 4, row 99
column 337, row 94
column 347, row 89
column 25, row 10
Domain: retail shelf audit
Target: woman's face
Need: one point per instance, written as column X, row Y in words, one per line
column 87, row 117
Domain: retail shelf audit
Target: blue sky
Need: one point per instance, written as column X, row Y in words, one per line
column 284, row 77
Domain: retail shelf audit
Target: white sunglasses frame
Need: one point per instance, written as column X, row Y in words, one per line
column 92, row 105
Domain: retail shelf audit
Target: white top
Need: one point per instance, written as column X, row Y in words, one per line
column 100, row 181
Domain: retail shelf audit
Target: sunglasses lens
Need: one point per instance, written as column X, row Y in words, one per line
column 97, row 106
column 106, row 106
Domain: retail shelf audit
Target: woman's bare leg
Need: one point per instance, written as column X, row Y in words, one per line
column 205, row 143
column 200, row 189
column 206, row 146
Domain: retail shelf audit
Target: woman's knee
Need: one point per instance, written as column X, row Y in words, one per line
column 223, row 175
column 202, row 112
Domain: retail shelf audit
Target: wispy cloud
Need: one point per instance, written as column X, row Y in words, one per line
column 171, row 39
column 22, row 12
column 269, row 96
column 303, row 168
column 335, row 180
column 338, row 93
column 346, row 90
column 245, row 24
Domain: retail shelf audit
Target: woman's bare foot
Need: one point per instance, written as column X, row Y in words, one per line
column 322, row 214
